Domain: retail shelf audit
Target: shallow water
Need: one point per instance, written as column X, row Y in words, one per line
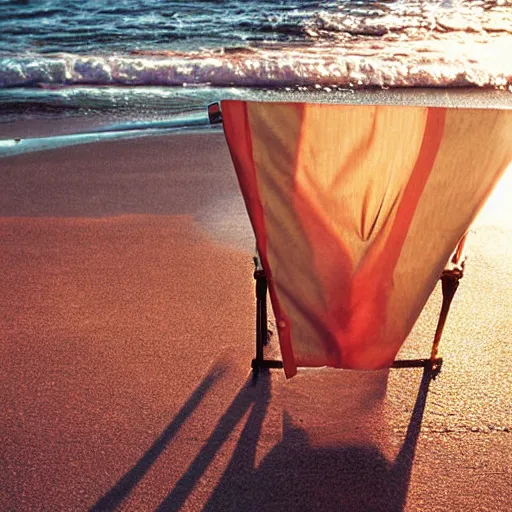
column 151, row 59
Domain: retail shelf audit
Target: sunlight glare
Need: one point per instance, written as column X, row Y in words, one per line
column 498, row 209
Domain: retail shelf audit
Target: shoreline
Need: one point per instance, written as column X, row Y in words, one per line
column 18, row 136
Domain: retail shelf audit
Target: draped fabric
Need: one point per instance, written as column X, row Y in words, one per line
column 356, row 210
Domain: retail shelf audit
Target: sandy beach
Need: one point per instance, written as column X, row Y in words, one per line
column 126, row 335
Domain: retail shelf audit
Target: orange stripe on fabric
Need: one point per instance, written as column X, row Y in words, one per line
column 432, row 138
column 374, row 281
column 238, row 134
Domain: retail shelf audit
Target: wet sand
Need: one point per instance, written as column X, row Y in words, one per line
column 127, row 328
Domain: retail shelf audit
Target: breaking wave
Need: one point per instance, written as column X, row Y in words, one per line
column 442, row 62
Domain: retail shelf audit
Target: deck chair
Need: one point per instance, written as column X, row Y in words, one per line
column 356, row 209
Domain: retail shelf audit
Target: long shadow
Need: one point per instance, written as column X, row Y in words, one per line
column 402, row 467
column 295, row 475
column 122, row 489
column 255, row 394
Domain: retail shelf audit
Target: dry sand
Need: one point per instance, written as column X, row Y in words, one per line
column 127, row 327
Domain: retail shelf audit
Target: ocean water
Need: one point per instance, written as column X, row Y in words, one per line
column 155, row 60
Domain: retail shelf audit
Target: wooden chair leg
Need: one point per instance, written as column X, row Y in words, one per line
column 450, row 278
column 449, row 285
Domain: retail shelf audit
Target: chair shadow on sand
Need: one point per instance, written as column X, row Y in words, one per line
column 294, row 475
